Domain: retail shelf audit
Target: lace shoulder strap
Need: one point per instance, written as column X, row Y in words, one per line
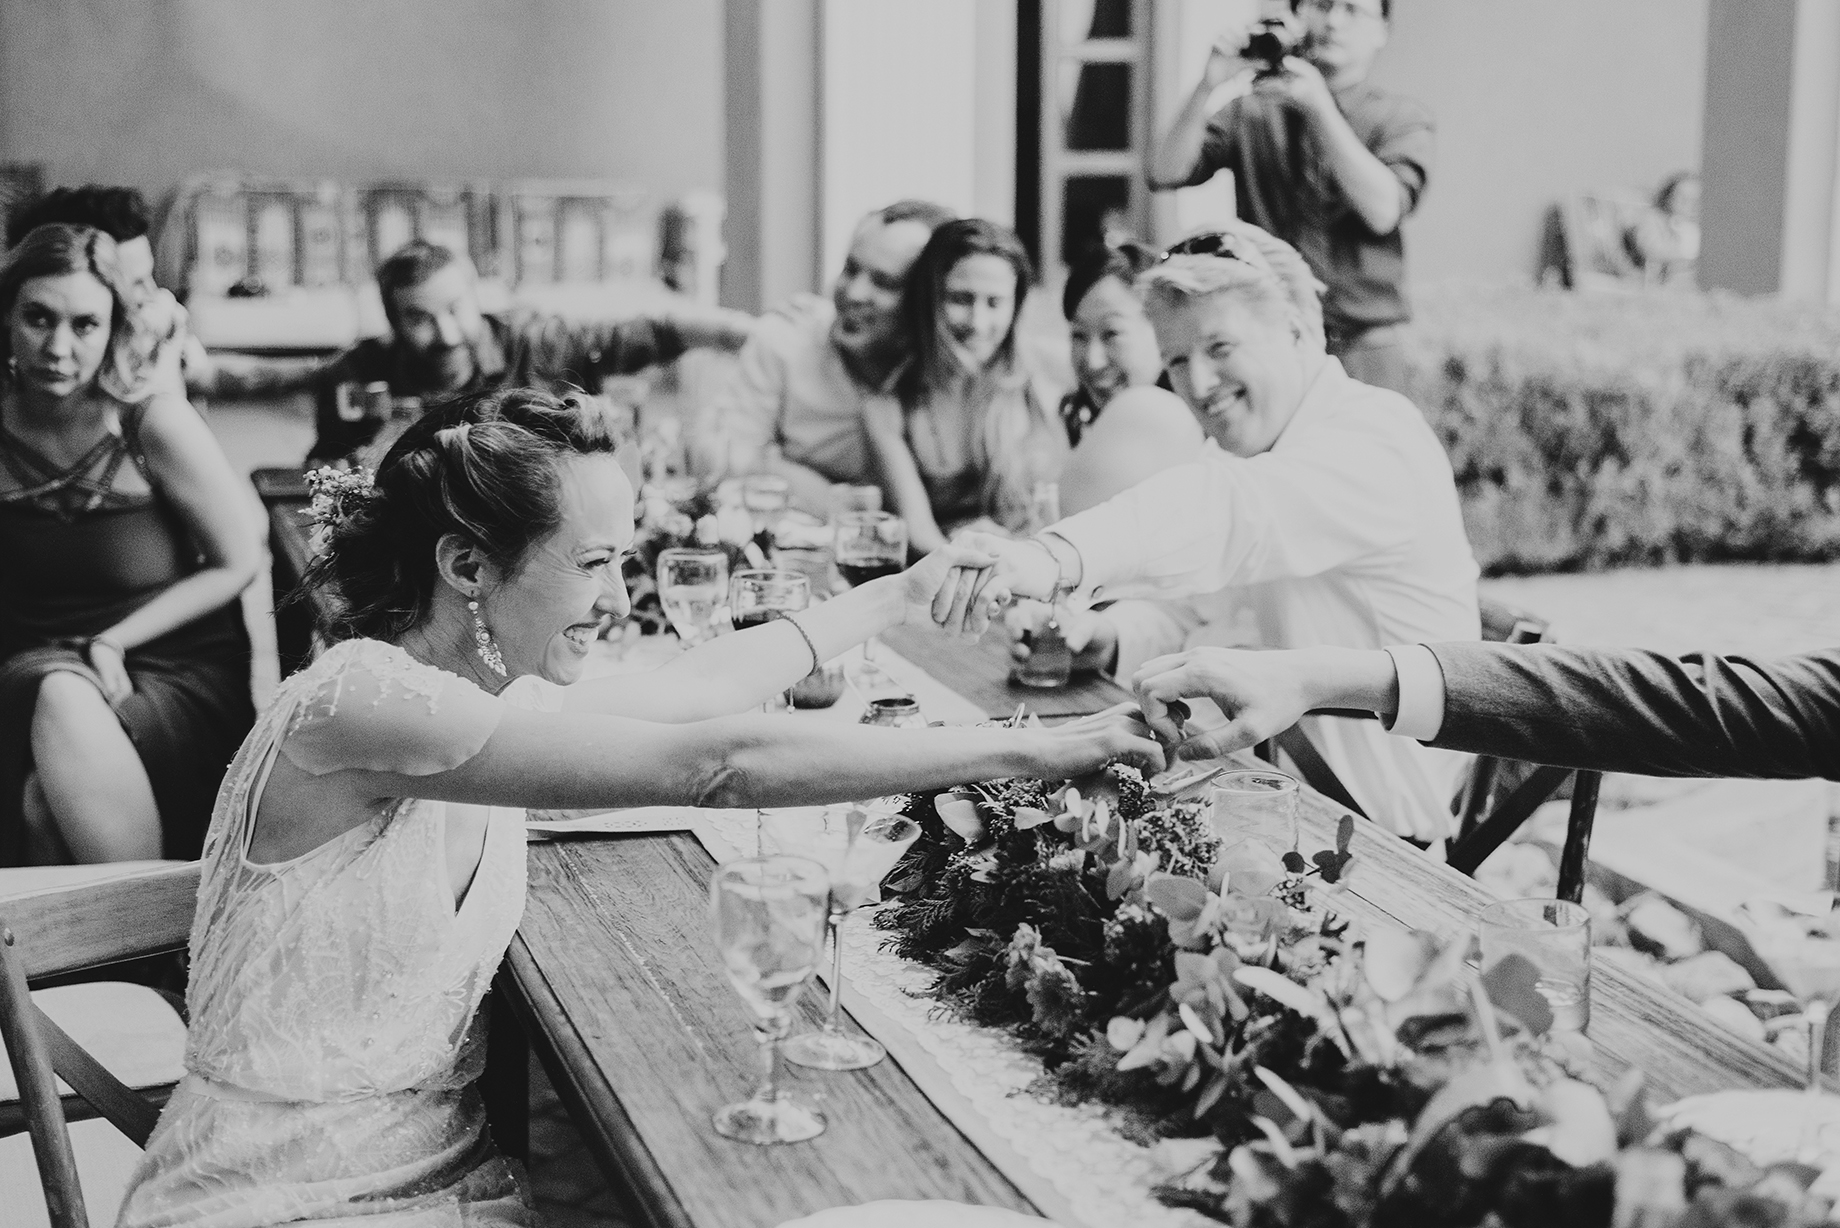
column 371, row 706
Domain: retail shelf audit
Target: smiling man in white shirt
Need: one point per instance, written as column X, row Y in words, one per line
column 1327, row 514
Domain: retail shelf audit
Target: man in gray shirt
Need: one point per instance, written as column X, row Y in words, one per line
column 795, row 408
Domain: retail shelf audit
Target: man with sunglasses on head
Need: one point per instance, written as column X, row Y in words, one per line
column 1324, row 514
column 1321, row 157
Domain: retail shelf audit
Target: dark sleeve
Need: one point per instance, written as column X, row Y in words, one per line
column 567, row 348
column 1406, row 141
column 333, row 437
column 1219, row 149
column 1628, row 710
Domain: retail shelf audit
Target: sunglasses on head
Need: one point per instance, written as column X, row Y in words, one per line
column 1217, row 243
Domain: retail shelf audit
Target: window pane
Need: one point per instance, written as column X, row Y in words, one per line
column 1097, row 109
column 1093, row 207
column 1084, row 19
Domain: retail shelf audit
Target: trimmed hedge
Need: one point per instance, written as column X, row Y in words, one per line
column 1593, row 430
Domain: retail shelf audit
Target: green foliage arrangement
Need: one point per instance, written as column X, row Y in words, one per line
column 1291, row 1074
column 1593, row 430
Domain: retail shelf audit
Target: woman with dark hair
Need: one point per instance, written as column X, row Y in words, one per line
column 969, row 430
column 1120, row 370
column 124, row 543
column 364, row 869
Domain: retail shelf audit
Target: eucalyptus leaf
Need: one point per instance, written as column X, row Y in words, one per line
column 1294, row 862
column 1344, row 833
column 1178, row 898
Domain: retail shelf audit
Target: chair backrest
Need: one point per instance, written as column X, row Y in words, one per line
column 69, row 929
column 1484, row 823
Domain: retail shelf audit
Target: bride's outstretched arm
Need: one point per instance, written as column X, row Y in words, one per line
column 564, row 761
column 733, row 673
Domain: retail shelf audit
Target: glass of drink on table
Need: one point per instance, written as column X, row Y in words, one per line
column 857, row 845
column 870, row 545
column 768, row 916
column 1810, row 968
column 766, row 497
column 1261, row 800
column 758, row 597
column 1555, row 937
column 693, row 588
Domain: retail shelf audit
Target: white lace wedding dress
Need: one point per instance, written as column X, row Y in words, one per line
column 336, row 1029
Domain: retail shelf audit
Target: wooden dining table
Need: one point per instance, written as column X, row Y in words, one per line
column 613, row 981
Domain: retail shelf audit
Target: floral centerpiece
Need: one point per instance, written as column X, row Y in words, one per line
column 1290, row 1072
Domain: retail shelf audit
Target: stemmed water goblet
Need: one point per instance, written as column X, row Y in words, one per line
column 693, row 588
column 870, row 545
column 858, row 847
column 767, row 915
column 766, row 496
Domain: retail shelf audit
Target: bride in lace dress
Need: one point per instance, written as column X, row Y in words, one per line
column 364, row 868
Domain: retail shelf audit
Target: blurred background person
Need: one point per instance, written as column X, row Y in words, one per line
column 180, row 363
column 1113, row 350
column 1664, row 242
column 969, row 430
column 1321, row 157
column 124, row 543
column 795, row 408
column 441, row 340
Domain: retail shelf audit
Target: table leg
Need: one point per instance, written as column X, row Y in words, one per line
column 505, row 1084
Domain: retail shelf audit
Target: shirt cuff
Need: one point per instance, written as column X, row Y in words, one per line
column 1421, row 693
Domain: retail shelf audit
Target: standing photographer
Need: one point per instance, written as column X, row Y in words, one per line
column 1320, row 157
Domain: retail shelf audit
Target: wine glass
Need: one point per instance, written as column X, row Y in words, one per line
column 1811, row 970
column 767, row 915
column 870, row 545
column 858, row 847
column 692, row 587
column 759, row 597
column 766, row 497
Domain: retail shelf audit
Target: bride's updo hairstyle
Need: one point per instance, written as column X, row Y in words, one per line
column 480, row 464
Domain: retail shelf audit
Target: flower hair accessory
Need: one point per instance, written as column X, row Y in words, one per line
column 337, row 495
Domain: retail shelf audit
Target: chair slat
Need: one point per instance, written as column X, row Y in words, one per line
column 65, row 929
column 31, row 1060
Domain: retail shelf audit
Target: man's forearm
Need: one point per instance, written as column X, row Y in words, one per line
column 1631, row 710
column 712, row 327
column 1172, row 163
column 810, row 490
column 1369, row 186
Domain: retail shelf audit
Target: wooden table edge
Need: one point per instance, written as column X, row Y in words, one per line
column 639, row 1182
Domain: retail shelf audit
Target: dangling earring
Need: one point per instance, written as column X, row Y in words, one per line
column 12, row 369
column 483, row 643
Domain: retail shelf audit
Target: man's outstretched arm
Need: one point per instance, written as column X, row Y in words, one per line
column 1628, row 710
column 1612, row 709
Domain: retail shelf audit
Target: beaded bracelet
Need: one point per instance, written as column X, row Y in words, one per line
column 817, row 662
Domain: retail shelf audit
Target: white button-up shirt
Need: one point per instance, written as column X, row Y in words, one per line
column 1347, row 532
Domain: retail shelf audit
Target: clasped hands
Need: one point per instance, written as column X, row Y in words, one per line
column 1261, row 693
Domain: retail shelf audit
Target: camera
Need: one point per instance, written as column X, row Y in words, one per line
column 1271, row 40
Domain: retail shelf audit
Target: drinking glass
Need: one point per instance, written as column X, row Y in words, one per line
column 846, row 499
column 870, row 545
column 1553, row 935
column 692, row 587
column 858, row 847
column 1261, row 799
column 767, row 915
column 759, row 597
column 766, row 497
column 1812, row 974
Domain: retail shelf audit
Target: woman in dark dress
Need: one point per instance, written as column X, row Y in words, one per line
column 125, row 539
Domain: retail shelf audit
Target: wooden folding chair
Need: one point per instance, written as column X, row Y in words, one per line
column 1499, row 794
column 54, row 933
